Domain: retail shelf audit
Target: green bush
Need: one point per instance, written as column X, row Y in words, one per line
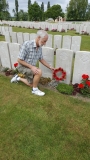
column 65, row 88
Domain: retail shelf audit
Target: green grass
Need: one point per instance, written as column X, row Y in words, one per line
column 53, row 127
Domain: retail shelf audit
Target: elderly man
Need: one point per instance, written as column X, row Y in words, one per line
column 30, row 53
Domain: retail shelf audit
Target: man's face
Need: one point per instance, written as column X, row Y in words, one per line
column 42, row 41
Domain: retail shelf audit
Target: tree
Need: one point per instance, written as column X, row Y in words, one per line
column 35, row 12
column 88, row 12
column 29, row 4
column 16, row 10
column 48, row 5
column 23, row 16
column 6, row 15
column 4, row 6
column 76, row 9
column 54, row 12
column 42, row 8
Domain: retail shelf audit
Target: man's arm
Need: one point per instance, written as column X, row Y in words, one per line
column 33, row 68
column 46, row 64
column 22, row 62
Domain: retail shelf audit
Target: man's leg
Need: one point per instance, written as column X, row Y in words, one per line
column 36, row 80
column 34, row 84
column 26, row 82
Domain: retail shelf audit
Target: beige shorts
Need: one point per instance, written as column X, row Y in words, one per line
column 27, row 72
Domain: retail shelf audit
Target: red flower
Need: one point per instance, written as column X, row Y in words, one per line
column 15, row 65
column 85, row 76
column 81, row 85
column 88, row 83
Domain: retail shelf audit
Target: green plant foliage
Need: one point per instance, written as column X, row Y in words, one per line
column 65, row 88
column 76, row 10
column 85, row 92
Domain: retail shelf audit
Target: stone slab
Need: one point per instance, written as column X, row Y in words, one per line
column 48, row 55
column 57, row 41
column 76, row 43
column 64, row 59
column 66, row 43
column 5, row 55
column 14, row 51
column 81, row 65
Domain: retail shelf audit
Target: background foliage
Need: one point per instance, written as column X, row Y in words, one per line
column 76, row 10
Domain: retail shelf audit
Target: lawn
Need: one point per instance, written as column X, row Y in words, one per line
column 52, row 127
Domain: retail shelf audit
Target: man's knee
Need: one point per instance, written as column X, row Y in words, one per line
column 39, row 71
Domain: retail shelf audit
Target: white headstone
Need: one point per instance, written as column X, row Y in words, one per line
column 65, row 26
column 6, row 28
column 26, row 36
column 14, row 37
column 3, row 30
column 85, row 28
column 4, row 54
column 66, row 44
column 81, row 29
column 49, row 41
column 10, row 30
column 0, row 62
column 88, row 29
column 20, row 37
column 14, row 51
column 64, row 59
column 57, row 41
column 7, row 37
column 0, row 29
column 77, row 28
column 48, row 55
column 76, row 43
column 32, row 36
column 81, row 66
column 43, row 26
column 59, row 27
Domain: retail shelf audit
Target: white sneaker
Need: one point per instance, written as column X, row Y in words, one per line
column 38, row 92
column 14, row 79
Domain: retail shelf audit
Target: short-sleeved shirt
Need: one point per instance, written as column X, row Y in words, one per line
column 29, row 54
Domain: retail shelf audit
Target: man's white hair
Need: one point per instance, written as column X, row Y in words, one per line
column 42, row 33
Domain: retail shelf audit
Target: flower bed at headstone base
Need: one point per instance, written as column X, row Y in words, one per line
column 62, row 30
column 84, row 33
column 54, row 30
column 82, row 88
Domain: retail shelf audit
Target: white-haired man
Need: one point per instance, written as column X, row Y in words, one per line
column 30, row 53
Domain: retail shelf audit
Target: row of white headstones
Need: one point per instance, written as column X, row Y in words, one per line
column 74, row 65
column 80, row 27
column 54, row 41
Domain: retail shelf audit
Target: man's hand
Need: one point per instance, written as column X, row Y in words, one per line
column 34, row 69
column 52, row 68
